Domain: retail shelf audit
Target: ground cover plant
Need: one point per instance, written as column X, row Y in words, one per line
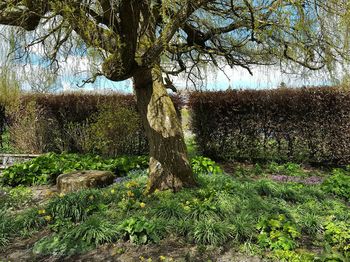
column 45, row 169
column 248, row 211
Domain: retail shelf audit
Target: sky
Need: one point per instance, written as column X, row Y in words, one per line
column 75, row 69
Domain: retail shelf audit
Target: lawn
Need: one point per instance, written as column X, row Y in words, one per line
column 251, row 212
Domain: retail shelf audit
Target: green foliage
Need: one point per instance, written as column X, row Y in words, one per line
column 6, row 228
column 169, row 209
column 338, row 184
column 293, row 256
column 116, row 130
column 337, row 234
column 210, row 232
column 222, row 209
column 204, row 165
column 94, row 230
column 139, row 230
column 76, row 206
column 31, row 219
column 17, row 197
column 201, row 210
column 44, row 169
column 278, row 233
column 288, row 169
column 60, row 245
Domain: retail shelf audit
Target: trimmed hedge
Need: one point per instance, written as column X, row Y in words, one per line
column 102, row 124
column 303, row 125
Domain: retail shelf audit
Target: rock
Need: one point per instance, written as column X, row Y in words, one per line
column 83, row 179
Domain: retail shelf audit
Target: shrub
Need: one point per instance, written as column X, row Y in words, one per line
column 79, row 123
column 299, row 125
column 116, row 130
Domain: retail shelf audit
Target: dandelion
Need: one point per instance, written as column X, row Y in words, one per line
column 142, row 205
column 162, row 258
column 112, row 191
column 61, row 195
column 91, row 197
column 130, row 193
column 41, row 211
column 47, row 218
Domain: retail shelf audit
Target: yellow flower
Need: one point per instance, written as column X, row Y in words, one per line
column 162, row 258
column 61, row 195
column 47, row 218
column 141, row 258
column 91, row 197
column 112, row 191
column 132, row 184
column 142, row 205
column 130, row 193
column 41, row 211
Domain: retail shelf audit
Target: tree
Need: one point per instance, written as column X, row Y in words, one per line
column 135, row 37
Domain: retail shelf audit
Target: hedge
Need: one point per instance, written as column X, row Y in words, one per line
column 79, row 123
column 302, row 125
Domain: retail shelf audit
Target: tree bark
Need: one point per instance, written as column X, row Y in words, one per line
column 169, row 167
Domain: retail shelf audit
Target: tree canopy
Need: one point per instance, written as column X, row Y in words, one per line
column 132, row 34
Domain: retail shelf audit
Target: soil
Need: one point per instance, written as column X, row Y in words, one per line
column 171, row 249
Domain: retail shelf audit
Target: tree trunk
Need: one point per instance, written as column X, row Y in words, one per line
column 169, row 167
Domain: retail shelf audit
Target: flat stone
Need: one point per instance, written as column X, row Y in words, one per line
column 83, row 179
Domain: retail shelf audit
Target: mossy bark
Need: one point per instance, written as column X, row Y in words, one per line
column 169, row 167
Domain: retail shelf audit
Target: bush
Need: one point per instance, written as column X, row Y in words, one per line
column 79, row 123
column 299, row 125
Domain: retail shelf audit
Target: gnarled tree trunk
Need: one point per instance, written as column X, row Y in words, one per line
column 169, row 167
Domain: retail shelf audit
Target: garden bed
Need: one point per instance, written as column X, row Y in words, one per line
column 250, row 214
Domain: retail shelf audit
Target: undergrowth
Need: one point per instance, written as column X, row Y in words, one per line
column 279, row 221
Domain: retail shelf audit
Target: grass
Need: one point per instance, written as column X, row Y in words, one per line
column 282, row 221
